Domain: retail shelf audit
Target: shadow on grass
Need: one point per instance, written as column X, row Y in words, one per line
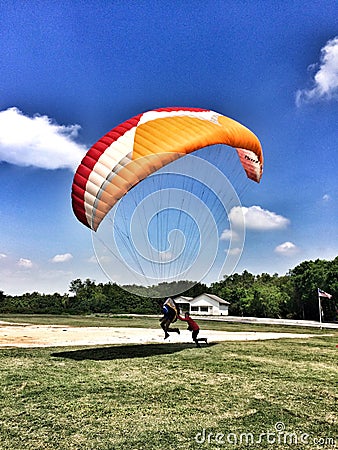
column 124, row 351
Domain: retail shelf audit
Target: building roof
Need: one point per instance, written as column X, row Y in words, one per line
column 216, row 298
column 212, row 296
column 187, row 299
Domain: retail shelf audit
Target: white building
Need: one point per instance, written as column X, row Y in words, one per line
column 204, row 304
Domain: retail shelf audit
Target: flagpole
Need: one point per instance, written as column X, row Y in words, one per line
column 322, row 294
column 320, row 309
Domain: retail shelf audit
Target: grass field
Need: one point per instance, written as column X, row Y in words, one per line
column 260, row 394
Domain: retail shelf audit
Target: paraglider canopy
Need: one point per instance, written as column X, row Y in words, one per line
column 145, row 143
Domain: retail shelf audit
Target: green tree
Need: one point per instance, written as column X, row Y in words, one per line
column 307, row 277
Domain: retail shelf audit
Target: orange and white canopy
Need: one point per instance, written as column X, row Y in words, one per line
column 145, row 143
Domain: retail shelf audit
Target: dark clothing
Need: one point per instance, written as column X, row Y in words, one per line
column 169, row 310
column 169, row 313
column 194, row 334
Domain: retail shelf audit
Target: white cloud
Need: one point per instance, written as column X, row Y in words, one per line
column 326, row 198
column 38, row 141
column 101, row 259
column 325, row 82
column 235, row 251
column 92, row 260
column 3, row 256
column 287, row 249
column 62, row 258
column 227, row 235
column 257, row 218
column 25, row 263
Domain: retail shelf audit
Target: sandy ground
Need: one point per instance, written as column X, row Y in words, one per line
column 26, row 335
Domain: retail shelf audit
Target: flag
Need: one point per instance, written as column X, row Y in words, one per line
column 323, row 294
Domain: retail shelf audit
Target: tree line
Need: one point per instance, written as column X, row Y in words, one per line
column 292, row 296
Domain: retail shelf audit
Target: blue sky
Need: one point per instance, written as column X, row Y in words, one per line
column 71, row 70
